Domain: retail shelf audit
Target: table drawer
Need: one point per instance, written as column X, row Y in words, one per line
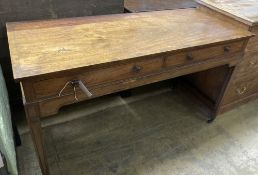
column 50, row 87
column 203, row 54
column 240, row 89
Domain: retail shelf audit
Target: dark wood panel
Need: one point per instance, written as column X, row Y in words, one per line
column 209, row 81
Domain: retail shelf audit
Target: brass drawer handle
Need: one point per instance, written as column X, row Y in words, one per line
column 137, row 68
column 74, row 84
column 242, row 90
column 189, row 57
column 227, row 49
column 253, row 62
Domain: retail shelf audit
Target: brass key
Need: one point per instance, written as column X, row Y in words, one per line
column 84, row 89
column 74, row 84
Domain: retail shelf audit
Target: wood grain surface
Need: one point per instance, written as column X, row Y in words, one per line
column 153, row 5
column 243, row 10
column 43, row 47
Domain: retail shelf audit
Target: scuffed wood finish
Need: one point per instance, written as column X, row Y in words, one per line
column 114, row 53
column 153, row 5
column 241, row 10
column 71, row 43
column 243, row 86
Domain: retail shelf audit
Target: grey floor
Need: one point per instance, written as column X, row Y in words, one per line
column 159, row 132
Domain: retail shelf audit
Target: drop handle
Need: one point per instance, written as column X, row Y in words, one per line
column 242, row 90
column 84, row 89
column 253, row 62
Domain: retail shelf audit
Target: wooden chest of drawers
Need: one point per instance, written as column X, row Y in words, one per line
column 242, row 14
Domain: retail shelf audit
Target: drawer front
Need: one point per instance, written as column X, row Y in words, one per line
column 253, row 42
column 104, row 75
column 240, row 89
column 203, row 54
column 249, row 66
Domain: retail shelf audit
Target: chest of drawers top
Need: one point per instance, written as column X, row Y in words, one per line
column 45, row 47
column 153, row 5
column 245, row 11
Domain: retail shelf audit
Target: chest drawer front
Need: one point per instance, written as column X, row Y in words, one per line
column 249, row 66
column 253, row 42
column 95, row 77
column 240, row 89
column 203, row 54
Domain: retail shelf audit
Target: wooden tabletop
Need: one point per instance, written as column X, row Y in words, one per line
column 152, row 5
column 44, row 47
column 243, row 10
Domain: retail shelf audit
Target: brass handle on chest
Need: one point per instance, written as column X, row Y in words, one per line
column 253, row 62
column 227, row 49
column 137, row 68
column 242, row 90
